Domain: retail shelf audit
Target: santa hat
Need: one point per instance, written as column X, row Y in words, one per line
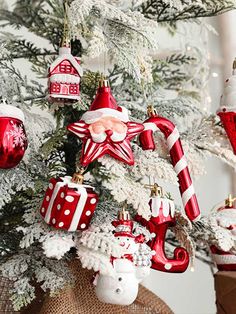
column 104, row 105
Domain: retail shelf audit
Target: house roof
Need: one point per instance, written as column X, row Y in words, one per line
column 64, row 54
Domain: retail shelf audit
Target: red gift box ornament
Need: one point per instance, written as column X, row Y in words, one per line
column 226, row 218
column 65, row 72
column 227, row 111
column 68, row 204
column 163, row 217
column 13, row 140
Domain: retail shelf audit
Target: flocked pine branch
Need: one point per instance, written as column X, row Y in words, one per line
column 172, row 11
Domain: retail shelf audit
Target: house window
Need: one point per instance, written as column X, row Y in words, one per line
column 68, row 68
column 73, row 89
column 65, row 68
column 55, row 87
column 62, row 68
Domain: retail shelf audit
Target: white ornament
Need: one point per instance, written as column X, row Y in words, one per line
column 122, row 287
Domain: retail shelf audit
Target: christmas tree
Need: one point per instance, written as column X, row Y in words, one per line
column 119, row 40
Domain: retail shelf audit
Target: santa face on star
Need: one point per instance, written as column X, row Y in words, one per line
column 108, row 128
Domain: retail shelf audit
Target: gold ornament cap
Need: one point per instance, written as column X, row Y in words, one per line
column 151, row 112
column 103, row 82
column 123, row 214
column 156, row 190
column 229, row 202
column 78, row 177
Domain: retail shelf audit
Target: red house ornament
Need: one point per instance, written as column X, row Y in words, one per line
column 64, row 77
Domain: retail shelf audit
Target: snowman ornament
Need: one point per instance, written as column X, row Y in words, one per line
column 129, row 270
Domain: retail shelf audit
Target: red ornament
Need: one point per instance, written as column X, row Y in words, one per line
column 226, row 218
column 162, row 217
column 64, row 77
column 228, row 119
column 106, row 129
column 227, row 111
column 13, row 140
column 179, row 162
column 68, row 205
column 225, row 261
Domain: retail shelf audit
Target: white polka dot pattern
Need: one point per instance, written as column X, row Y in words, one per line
column 93, row 201
column 69, row 199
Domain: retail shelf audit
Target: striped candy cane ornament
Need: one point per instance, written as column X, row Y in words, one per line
column 155, row 123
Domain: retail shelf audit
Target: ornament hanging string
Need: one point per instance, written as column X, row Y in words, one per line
column 105, row 52
column 66, row 30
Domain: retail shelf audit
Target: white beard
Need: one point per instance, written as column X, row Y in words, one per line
column 101, row 137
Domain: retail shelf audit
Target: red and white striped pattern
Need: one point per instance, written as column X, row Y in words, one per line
column 179, row 162
column 224, row 260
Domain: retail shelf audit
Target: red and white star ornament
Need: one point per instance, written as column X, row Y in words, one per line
column 106, row 129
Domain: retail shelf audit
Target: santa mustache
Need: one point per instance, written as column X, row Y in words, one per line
column 113, row 135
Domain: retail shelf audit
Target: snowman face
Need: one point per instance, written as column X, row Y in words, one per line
column 128, row 243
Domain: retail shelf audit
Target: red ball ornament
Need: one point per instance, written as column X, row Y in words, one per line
column 226, row 218
column 162, row 217
column 64, row 77
column 106, row 129
column 227, row 111
column 68, row 204
column 13, row 140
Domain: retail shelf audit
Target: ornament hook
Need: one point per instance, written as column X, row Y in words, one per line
column 151, row 112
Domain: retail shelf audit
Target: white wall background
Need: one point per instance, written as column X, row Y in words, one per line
column 193, row 292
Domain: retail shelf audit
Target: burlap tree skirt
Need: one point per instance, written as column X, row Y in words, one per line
column 5, row 304
column 81, row 299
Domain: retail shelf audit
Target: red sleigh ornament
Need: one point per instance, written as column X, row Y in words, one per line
column 162, row 217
